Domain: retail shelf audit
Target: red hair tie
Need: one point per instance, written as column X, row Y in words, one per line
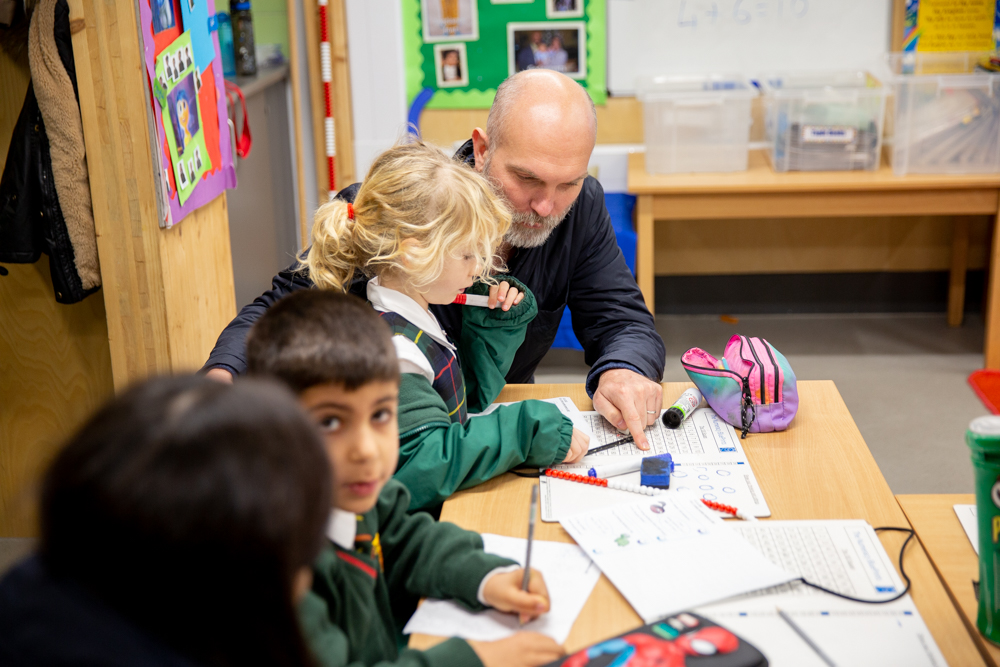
column 350, row 211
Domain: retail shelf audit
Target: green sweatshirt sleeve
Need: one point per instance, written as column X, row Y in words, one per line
column 329, row 644
column 427, row 558
column 438, row 458
column 490, row 338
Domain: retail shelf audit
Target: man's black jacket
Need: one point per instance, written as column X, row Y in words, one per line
column 580, row 265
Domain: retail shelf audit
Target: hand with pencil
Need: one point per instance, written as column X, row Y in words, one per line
column 503, row 591
column 523, row 592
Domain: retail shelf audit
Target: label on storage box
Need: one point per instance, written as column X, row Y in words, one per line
column 827, row 134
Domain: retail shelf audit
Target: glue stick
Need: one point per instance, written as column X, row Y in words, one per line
column 682, row 409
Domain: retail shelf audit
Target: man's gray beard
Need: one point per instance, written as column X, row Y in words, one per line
column 519, row 235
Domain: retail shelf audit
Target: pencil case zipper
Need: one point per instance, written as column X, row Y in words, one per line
column 746, row 398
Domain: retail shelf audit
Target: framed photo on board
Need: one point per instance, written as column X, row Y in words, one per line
column 449, row 20
column 451, row 65
column 564, row 9
column 557, row 46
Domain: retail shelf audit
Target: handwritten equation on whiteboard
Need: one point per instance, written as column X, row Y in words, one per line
column 695, row 13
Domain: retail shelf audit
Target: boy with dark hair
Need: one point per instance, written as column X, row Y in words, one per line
column 337, row 355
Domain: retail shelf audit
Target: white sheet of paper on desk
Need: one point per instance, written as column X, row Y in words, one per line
column 845, row 556
column 565, row 405
column 570, row 576
column 666, row 554
column 967, row 517
column 704, row 432
column 730, row 483
column 709, row 462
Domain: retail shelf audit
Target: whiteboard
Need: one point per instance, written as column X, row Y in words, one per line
column 751, row 37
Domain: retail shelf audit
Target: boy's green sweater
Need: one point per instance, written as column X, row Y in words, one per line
column 361, row 599
column 438, row 457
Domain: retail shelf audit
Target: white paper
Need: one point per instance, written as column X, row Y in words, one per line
column 709, row 462
column 565, row 405
column 569, row 574
column 704, row 432
column 668, row 553
column 967, row 517
column 845, row 556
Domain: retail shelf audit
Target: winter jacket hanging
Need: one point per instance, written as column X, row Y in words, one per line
column 45, row 204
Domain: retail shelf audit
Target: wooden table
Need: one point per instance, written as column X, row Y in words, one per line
column 760, row 191
column 944, row 540
column 820, row 468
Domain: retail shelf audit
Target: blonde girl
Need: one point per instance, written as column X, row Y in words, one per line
column 424, row 228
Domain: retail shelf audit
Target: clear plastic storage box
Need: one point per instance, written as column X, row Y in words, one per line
column 944, row 115
column 696, row 123
column 823, row 121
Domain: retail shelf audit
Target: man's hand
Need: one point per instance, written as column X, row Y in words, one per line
column 629, row 400
column 524, row 649
column 503, row 592
column 220, row 375
column 578, row 446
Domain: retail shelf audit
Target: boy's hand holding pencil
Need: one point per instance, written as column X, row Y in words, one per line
column 503, row 592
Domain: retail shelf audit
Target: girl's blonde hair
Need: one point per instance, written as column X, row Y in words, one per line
column 416, row 207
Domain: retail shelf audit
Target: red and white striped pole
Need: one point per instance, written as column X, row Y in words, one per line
column 327, row 70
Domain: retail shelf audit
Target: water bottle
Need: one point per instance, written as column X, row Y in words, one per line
column 246, row 57
column 226, row 44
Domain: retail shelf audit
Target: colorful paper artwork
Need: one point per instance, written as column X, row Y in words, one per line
column 163, row 15
column 185, row 74
column 195, row 13
column 182, row 122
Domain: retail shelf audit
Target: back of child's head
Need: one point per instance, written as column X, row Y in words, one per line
column 189, row 506
column 415, row 207
column 314, row 337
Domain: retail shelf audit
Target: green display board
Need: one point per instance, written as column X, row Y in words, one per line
column 464, row 49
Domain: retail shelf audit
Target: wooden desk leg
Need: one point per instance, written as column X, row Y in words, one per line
column 992, row 343
column 959, row 262
column 645, row 247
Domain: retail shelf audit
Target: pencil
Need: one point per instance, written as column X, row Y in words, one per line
column 610, row 445
column 531, row 538
column 801, row 633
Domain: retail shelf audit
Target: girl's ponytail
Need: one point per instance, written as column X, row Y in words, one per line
column 332, row 257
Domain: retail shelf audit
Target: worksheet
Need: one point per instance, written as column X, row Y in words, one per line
column 709, row 463
column 703, row 433
column 967, row 517
column 569, row 574
column 668, row 553
column 845, row 556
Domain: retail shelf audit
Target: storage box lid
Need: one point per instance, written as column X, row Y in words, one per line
column 944, row 63
column 790, row 84
column 652, row 88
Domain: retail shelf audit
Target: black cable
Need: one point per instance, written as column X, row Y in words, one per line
column 902, row 571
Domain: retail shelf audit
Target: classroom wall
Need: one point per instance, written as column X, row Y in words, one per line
column 55, row 361
column 270, row 22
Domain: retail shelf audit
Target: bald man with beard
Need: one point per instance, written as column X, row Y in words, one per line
column 535, row 149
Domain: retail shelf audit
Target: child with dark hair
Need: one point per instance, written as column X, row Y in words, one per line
column 177, row 528
column 337, row 354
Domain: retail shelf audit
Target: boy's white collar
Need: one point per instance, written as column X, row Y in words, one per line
column 342, row 528
column 385, row 299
